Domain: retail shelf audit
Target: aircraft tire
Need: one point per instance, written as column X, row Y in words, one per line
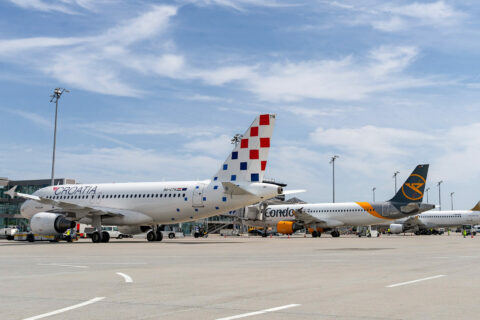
column 105, row 236
column 96, row 237
column 151, row 236
column 159, row 236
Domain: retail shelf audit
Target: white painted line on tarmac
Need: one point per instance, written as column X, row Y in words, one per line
column 83, row 304
column 413, row 281
column 244, row 315
column 125, row 276
column 61, row 265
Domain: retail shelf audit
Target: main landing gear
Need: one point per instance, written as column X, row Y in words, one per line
column 335, row 233
column 316, row 234
column 155, row 234
column 99, row 235
column 102, row 236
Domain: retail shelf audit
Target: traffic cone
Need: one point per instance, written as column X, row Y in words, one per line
column 288, row 236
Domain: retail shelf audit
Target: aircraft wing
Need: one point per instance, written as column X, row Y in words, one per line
column 306, row 218
column 78, row 211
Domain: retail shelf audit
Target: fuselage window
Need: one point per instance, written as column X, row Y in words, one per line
column 170, row 195
column 161, row 195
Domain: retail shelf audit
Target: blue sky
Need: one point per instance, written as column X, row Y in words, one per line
column 158, row 88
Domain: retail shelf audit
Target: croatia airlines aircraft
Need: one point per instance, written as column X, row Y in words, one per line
column 423, row 223
column 138, row 207
column 320, row 217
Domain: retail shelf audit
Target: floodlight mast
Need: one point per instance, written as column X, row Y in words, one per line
column 332, row 161
column 57, row 93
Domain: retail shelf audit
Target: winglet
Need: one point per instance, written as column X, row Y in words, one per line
column 11, row 192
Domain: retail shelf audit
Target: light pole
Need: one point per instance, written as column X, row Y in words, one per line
column 439, row 195
column 332, row 161
column 451, row 199
column 57, row 93
column 426, row 190
column 395, row 177
column 373, row 190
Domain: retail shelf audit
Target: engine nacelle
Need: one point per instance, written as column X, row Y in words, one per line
column 287, row 227
column 48, row 223
column 133, row 229
column 396, row 228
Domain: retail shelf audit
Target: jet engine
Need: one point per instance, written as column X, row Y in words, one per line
column 48, row 223
column 287, row 227
column 396, row 228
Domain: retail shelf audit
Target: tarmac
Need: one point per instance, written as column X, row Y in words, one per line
column 390, row 277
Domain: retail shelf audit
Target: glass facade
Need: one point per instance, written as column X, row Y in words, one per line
column 10, row 208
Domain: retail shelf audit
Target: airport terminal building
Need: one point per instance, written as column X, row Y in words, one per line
column 10, row 208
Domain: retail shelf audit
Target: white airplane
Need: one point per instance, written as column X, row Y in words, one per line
column 138, row 207
column 425, row 222
column 320, row 217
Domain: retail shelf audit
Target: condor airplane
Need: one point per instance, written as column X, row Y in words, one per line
column 138, row 207
column 320, row 217
column 424, row 222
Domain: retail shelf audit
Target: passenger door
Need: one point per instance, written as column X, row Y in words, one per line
column 197, row 197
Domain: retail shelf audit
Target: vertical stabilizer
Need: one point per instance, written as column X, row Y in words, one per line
column 412, row 190
column 248, row 160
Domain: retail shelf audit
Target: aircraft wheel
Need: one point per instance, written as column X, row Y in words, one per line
column 105, row 236
column 96, row 237
column 314, row 234
column 151, row 236
column 159, row 236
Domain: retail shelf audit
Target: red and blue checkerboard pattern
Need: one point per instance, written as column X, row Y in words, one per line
column 248, row 160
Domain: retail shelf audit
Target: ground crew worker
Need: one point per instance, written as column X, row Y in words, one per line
column 464, row 233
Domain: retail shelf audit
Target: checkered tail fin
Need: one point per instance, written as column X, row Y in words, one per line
column 248, row 160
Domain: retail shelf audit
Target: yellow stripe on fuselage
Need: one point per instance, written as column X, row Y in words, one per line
column 368, row 207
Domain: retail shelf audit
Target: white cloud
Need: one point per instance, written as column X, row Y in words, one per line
column 148, row 128
column 63, row 6
column 241, row 5
column 452, row 152
column 30, row 116
column 348, row 78
column 96, row 63
column 393, row 17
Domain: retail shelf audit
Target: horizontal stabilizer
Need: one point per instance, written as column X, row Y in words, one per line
column 286, row 192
